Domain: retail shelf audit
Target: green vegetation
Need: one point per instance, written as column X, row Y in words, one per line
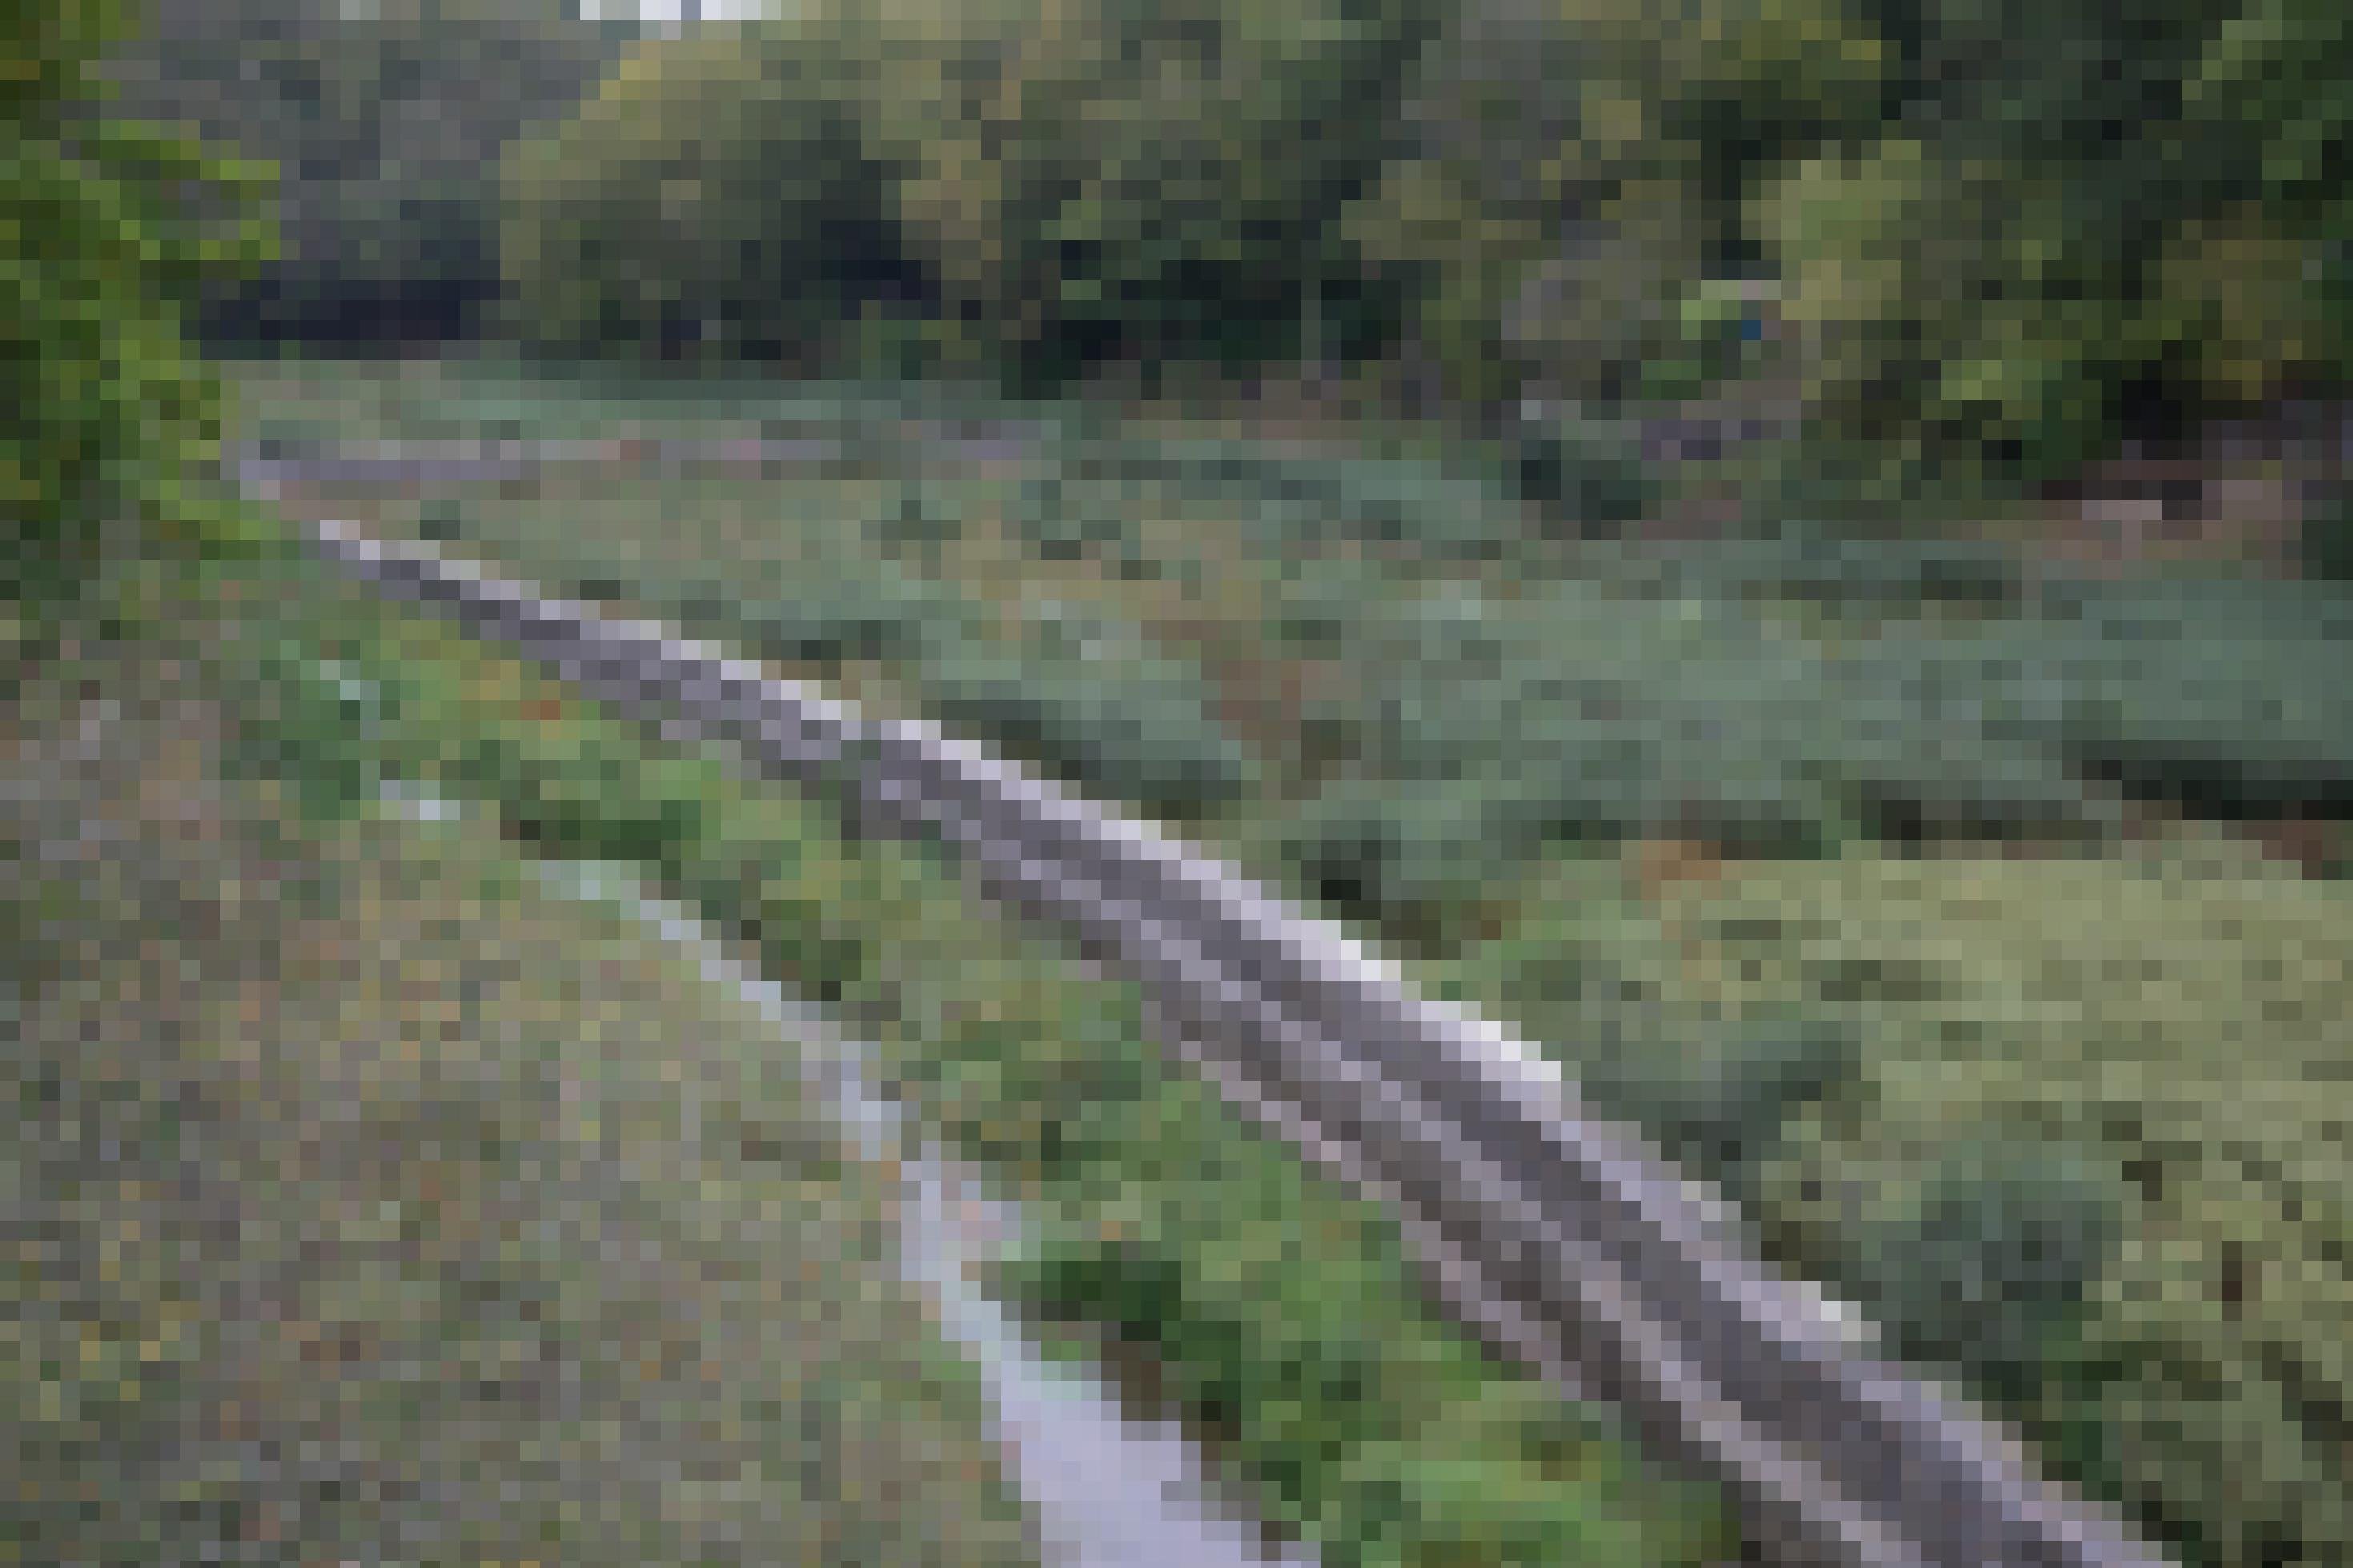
column 1432, row 678
column 1027, row 186
column 712, row 202
column 386, row 121
column 1333, row 1417
column 1971, row 248
column 1461, row 747
column 1995, row 1255
column 2091, row 1079
column 1318, row 660
column 108, row 454
column 380, row 1200
column 1092, row 705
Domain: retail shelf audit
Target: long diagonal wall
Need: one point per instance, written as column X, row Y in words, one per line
column 1557, row 1237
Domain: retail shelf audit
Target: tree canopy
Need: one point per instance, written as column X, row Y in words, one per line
column 114, row 225
column 387, row 122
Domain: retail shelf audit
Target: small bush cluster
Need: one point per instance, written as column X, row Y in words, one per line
column 1086, row 699
column 1471, row 733
column 1995, row 1255
column 2224, row 692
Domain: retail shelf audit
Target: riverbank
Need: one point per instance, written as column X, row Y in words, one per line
column 378, row 1204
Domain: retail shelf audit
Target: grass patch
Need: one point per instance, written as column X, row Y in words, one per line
column 382, row 1203
column 2089, row 1157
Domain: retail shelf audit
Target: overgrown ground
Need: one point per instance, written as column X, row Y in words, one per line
column 370, row 1202
column 1841, row 867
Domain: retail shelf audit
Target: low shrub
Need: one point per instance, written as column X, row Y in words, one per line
column 2223, row 693
column 2324, row 545
column 918, row 519
column 1995, row 1255
column 1597, row 486
column 1088, row 701
column 1061, row 519
column 1407, row 857
column 1720, row 1105
column 852, row 618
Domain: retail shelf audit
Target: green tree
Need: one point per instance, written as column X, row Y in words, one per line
column 387, row 122
column 2003, row 233
column 719, row 198
column 2263, row 278
column 1031, row 186
column 112, row 227
column 2074, row 223
column 1158, row 182
column 1574, row 173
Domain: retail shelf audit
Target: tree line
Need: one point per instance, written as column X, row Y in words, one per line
column 1966, row 235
